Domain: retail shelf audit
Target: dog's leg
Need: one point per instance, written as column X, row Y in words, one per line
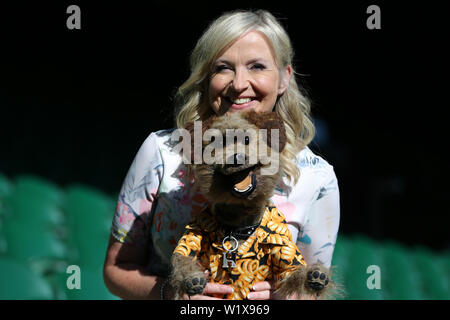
column 317, row 279
column 293, row 284
column 187, row 276
column 319, row 283
column 313, row 280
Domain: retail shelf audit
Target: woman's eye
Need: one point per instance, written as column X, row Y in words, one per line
column 258, row 66
column 221, row 67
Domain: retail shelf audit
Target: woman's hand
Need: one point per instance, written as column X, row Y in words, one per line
column 264, row 290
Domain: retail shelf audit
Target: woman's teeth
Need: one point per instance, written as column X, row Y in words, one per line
column 241, row 101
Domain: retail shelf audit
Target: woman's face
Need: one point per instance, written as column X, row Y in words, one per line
column 246, row 76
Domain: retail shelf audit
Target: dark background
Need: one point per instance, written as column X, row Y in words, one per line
column 77, row 104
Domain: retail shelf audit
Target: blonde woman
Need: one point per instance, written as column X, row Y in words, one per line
column 242, row 61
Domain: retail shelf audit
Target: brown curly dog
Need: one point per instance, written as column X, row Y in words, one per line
column 241, row 238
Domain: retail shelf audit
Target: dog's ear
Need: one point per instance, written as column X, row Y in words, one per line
column 190, row 127
column 269, row 121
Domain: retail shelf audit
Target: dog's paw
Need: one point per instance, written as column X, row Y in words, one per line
column 195, row 284
column 317, row 279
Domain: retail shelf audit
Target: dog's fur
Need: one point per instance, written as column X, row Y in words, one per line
column 215, row 182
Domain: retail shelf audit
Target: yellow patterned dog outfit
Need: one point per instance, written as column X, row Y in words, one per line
column 269, row 253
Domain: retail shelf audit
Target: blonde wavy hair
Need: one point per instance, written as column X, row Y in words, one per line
column 191, row 100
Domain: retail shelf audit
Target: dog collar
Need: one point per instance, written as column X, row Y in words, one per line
column 240, row 233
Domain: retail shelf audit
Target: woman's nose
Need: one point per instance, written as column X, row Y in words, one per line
column 241, row 80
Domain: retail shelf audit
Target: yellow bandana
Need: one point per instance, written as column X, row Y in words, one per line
column 267, row 254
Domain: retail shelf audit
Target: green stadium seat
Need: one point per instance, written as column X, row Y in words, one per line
column 406, row 273
column 364, row 253
column 5, row 186
column 20, row 283
column 23, row 208
column 89, row 214
column 92, row 251
column 3, row 244
column 33, row 195
column 38, row 248
column 444, row 262
column 434, row 282
column 401, row 279
column 340, row 262
column 5, row 189
column 35, row 187
column 89, row 211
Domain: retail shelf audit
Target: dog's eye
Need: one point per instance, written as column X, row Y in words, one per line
column 246, row 140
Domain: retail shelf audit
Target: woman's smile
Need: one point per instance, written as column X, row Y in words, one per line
column 241, row 103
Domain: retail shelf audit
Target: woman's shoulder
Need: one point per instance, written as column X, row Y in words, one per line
column 152, row 154
column 166, row 146
column 314, row 170
column 307, row 159
column 160, row 136
column 161, row 141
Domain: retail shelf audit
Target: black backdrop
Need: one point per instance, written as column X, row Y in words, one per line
column 77, row 104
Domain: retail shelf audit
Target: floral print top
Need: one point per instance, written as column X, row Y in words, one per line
column 268, row 253
column 157, row 201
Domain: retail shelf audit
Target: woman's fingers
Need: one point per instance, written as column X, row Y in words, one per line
column 215, row 288
column 306, row 297
column 259, row 295
column 263, row 285
column 261, row 291
column 199, row 297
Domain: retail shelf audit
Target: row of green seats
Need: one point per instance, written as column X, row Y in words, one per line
column 44, row 230
column 370, row 270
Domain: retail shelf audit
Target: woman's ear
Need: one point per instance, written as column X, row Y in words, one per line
column 285, row 78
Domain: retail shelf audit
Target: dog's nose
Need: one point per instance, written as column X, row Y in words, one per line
column 236, row 159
